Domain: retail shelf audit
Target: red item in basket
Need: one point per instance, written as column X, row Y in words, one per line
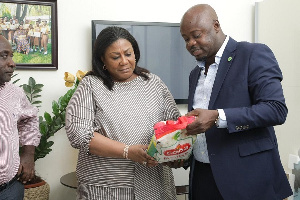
column 161, row 129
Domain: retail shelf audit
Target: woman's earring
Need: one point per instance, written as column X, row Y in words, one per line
column 104, row 68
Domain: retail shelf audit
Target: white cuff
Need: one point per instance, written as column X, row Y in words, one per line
column 221, row 122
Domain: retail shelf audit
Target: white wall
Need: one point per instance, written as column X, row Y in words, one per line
column 74, row 52
column 281, row 33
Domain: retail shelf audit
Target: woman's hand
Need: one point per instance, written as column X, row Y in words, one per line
column 138, row 153
column 106, row 147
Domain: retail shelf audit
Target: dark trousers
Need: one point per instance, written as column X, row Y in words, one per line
column 15, row 191
column 204, row 186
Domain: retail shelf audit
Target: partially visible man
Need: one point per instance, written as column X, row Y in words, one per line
column 236, row 94
column 18, row 126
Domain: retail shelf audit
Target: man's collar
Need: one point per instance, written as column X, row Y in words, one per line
column 221, row 50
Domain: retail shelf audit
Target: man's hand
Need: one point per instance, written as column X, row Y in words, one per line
column 26, row 168
column 205, row 119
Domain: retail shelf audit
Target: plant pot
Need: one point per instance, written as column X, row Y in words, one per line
column 37, row 191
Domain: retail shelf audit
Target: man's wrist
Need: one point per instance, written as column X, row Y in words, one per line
column 221, row 121
column 217, row 120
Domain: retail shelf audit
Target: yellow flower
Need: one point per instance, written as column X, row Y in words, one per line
column 70, row 79
column 80, row 74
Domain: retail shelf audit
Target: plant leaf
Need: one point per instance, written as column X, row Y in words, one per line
column 26, row 88
column 43, row 128
column 36, row 91
column 47, row 117
column 31, row 82
column 14, row 75
column 38, row 86
column 16, row 81
column 36, row 102
column 58, row 121
column 55, row 107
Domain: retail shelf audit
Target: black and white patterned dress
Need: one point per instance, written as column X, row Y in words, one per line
column 126, row 114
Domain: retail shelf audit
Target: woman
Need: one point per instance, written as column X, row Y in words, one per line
column 11, row 30
column 22, row 40
column 5, row 27
column 37, row 36
column 110, row 119
column 31, row 36
column 45, row 30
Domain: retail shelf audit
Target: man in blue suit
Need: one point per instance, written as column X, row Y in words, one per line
column 235, row 91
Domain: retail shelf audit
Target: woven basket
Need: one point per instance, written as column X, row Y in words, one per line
column 38, row 193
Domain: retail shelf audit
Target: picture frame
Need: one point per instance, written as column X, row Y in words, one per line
column 31, row 28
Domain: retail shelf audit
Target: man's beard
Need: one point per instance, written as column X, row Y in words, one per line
column 203, row 59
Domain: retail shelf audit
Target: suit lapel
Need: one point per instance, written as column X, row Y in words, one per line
column 224, row 66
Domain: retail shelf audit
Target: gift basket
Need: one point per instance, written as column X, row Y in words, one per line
column 170, row 141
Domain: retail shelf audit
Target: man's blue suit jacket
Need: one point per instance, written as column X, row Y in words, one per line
column 244, row 157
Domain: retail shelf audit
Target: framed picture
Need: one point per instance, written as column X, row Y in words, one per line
column 31, row 28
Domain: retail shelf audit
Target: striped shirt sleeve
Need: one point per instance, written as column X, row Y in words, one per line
column 28, row 122
column 80, row 117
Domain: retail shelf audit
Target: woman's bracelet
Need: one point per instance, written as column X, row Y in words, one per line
column 125, row 152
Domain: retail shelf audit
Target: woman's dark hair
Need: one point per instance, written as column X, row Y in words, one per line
column 105, row 38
